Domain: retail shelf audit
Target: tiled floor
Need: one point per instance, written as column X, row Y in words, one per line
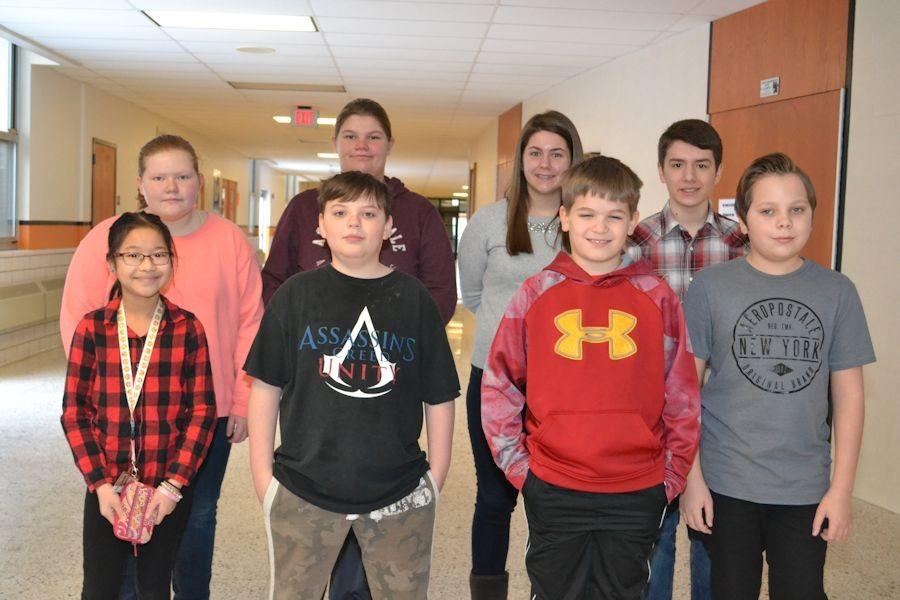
column 41, row 496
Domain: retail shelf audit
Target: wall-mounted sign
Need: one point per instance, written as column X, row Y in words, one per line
column 769, row 87
column 726, row 208
column 304, row 116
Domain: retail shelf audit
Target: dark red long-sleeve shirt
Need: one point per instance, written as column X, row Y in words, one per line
column 174, row 417
column 418, row 246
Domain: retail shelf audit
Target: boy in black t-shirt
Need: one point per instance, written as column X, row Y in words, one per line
column 344, row 358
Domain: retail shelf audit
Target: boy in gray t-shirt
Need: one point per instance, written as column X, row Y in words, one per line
column 777, row 331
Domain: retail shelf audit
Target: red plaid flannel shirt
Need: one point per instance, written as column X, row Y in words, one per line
column 676, row 256
column 174, row 417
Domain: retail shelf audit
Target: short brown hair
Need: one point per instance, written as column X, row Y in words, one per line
column 695, row 132
column 350, row 186
column 163, row 143
column 518, row 240
column 366, row 108
column 601, row 176
column 770, row 164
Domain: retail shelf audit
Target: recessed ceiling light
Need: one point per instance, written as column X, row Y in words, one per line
column 327, row 121
column 465, row 187
column 460, row 194
column 281, row 119
column 286, row 87
column 327, row 155
column 230, row 20
column 256, row 50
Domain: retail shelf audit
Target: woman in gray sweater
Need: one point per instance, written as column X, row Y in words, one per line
column 505, row 243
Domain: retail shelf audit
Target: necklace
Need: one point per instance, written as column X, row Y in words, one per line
column 538, row 227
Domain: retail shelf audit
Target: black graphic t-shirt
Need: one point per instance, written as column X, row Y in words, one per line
column 355, row 359
column 771, row 342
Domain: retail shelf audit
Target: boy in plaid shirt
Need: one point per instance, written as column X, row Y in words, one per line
column 684, row 237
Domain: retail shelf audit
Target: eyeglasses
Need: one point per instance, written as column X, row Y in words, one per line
column 136, row 259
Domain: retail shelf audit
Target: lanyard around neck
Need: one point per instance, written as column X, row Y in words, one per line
column 134, row 383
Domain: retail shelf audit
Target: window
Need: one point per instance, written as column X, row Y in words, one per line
column 8, row 140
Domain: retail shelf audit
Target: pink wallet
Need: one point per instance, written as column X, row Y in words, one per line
column 137, row 526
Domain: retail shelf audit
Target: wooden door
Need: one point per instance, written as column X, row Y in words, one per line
column 229, row 199
column 803, row 43
column 103, row 181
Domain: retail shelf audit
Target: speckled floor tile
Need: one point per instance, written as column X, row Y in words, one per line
column 41, row 499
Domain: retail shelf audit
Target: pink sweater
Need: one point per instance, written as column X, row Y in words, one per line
column 216, row 278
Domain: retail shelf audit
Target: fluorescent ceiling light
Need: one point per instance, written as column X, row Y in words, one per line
column 465, row 187
column 460, row 194
column 281, row 119
column 230, row 20
column 327, row 155
column 327, row 121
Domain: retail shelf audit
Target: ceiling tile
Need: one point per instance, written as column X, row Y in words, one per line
column 409, row 42
column 595, row 19
column 88, row 56
column 102, row 4
column 388, row 75
column 404, row 65
column 85, row 30
column 559, row 48
column 657, row 6
column 400, row 27
column 424, row 80
column 687, row 22
column 561, row 34
column 274, row 7
column 535, row 70
column 244, row 37
column 514, row 78
column 63, row 44
column 376, row 9
column 514, row 58
column 310, row 76
column 403, row 54
column 230, row 48
column 263, row 60
column 723, row 7
column 108, row 18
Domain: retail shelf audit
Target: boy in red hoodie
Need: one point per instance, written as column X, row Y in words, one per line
column 611, row 411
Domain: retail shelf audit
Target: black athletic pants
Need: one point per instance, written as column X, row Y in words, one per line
column 586, row 545
column 105, row 555
column 743, row 530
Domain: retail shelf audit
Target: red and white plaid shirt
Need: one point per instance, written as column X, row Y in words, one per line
column 174, row 418
column 676, row 256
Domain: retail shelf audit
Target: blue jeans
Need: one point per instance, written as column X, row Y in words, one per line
column 496, row 497
column 193, row 567
column 662, row 562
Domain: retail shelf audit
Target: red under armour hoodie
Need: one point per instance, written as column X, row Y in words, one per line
column 604, row 371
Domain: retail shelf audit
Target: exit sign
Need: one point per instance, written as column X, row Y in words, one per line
column 304, row 116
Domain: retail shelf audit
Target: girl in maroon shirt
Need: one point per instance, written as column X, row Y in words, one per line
column 162, row 428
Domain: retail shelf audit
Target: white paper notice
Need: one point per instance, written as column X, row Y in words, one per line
column 726, row 208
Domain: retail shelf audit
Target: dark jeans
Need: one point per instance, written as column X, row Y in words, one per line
column 589, row 545
column 105, row 555
column 193, row 567
column 662, row 561
column 496, row 497
column 744, row 530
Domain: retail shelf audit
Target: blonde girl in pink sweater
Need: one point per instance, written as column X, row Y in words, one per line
column 218, row 280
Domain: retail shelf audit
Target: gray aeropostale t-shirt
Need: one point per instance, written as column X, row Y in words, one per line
column 771, row 342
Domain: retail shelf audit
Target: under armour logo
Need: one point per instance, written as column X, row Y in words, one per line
column 573, row 334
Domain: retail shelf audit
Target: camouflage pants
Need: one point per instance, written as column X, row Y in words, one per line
column 304, row 541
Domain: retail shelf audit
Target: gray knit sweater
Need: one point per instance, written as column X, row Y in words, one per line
column 489, row 276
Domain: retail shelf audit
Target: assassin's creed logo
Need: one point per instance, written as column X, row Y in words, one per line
column 384, row 371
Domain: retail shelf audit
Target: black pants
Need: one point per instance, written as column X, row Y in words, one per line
column 744, row 530
column 495, row 498
column 586, row 545
column 105, row 555
column 348, row 578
